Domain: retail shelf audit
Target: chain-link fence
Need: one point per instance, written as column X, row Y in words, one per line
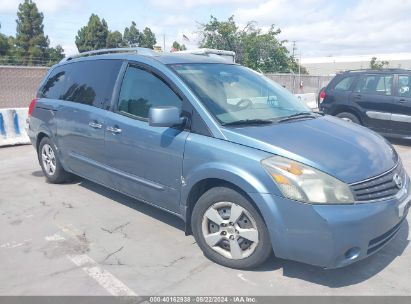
column 300, row 84
column 18, row 85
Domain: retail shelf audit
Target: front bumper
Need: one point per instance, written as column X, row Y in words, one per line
column 331, row 236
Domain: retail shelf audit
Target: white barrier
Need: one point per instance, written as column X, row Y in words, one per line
column 309, row 99
column 13, row 126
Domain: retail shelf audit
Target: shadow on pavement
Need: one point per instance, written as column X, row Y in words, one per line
column 333, row 278
column 401, row 142
column 139, row 206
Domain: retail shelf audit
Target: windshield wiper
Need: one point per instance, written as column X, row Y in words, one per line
column 248, row 122
column 298, row 116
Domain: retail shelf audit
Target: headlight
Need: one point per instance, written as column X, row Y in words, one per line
column 305, row 184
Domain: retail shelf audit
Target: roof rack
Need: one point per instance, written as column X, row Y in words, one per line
column 137, row 50
column 377, row 70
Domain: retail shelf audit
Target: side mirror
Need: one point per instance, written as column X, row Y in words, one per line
column 164, row 117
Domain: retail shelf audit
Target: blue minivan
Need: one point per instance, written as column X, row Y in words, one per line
column 251, row 171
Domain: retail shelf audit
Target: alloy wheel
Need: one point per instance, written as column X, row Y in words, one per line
column 49, row 159
column 230, row 230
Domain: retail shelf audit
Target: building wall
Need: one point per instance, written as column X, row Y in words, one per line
column 331, row 68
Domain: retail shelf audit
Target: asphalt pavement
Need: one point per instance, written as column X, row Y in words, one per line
column 80, row 238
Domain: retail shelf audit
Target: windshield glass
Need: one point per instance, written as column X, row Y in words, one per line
column 233, row 93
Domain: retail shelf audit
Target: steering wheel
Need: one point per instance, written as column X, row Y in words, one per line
column 244, row 103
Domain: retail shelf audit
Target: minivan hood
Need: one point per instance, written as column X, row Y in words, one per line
column 344, row 150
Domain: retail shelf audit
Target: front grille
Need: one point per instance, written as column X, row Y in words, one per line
column 380, row 187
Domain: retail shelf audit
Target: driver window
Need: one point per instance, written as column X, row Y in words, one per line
column 242, row 88
column 141, row 90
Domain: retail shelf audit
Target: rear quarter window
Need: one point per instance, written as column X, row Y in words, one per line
column 344, row 84
column 88, row 82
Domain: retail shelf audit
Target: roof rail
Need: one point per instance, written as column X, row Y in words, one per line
column 377, row 70
column 138, row 50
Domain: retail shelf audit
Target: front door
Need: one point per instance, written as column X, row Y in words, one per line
column 145, row 162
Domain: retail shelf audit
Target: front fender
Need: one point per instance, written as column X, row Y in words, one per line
column 225, row 172
column 211, row 158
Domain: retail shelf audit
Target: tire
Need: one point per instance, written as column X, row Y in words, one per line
column 349, row 117
column 216, row 238
column 50, row 164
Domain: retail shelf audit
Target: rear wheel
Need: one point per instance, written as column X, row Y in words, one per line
column 349, row 117
column 50, row 164
column 229, row 229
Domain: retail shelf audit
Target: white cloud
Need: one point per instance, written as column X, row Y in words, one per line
column 196, row 3
column 320, row 27
column 45, row 6
column 328, row 28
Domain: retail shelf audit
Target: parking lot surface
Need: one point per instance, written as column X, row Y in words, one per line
column 83, row 239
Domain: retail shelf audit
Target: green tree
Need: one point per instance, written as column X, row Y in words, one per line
column 114, row 40
column 93, row 36
column 7, row 49
column 178, row 47
column 378, row 65
column 132, row 36
column 4, row 44
column 223, row 35
column 148, row 39
column 31, row 43
column 55, row 54
column 254, row 48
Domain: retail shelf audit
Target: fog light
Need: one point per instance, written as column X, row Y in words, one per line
column 353, row 253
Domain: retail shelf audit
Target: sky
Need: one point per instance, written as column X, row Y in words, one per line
column 321, row 28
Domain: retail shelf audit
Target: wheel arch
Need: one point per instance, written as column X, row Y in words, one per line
column 351, row 110
column 40, row 136
column 200, row 186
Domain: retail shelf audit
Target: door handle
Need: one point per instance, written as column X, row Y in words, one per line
column 402, row 100
column 358, row 96
column 95, row 125
column 115, row 130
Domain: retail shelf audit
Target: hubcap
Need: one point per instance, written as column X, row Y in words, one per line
column 49, row 160
column 230, row 230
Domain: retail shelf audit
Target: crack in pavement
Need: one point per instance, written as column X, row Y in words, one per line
column 119, row 228
column 111, row 254
column 67, row 205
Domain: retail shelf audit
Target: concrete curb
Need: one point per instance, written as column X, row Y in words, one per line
column 13, row 126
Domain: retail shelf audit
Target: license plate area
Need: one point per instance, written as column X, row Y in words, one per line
column 402, row 208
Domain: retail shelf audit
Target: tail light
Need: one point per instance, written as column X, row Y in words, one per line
column 322, row 96
column 32, row 106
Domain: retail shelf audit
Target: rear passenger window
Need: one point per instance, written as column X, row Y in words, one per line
column 344, row 84
column 87, row 82
column 375, row 84
column 141, row 90
column 404, row 83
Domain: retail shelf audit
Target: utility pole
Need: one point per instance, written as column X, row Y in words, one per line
column 293, row 49
column 164, row 43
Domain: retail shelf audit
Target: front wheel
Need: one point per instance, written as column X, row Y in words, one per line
column 349, row 117
column 229, row 230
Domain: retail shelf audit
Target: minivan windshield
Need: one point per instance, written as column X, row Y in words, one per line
column 236, row 95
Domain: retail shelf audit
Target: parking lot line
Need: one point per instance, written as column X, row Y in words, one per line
column 104, row 278
column 108, row 281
